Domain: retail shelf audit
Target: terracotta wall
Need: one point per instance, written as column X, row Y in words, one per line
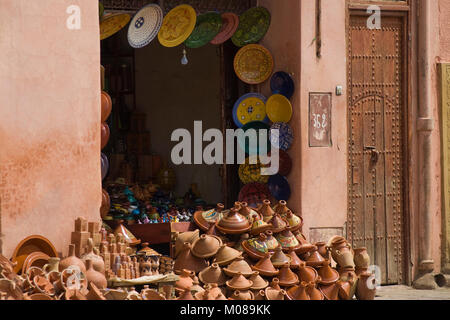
column 50, row 120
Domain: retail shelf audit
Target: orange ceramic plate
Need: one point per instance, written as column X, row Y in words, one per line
column 29, row 245
column 253, row 64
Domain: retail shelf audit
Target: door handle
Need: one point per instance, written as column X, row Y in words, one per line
column 374, row 153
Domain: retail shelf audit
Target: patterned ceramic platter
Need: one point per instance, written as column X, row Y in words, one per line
column 250, row 107
column 282, row 83
column 253, row 25
column 253, row 64
column 279, row 108
column 256, row 147
column 229, row 27
column 250, row 171
column 285, row 137
column 254, row 193
column 145, row 25
column 177, row 26
column 279, row 187
column 207, row 27
column 112, row 24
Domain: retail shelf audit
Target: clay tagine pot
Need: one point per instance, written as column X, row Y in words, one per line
column 271, row 241
column 361, row 258
column 274, row 294
column 306, row 273
column 327, row 274
column 259, row 225
column 206, row 246
column 246, row 211
column 239, row 265
column 186, row 295
column 185, row 280
column 130, row 239
column 279, row 258
column 256, row 248
column 331, row 292
column 295, row 260
column 260, row 295
column 213, row 274
column 258, row 282
column 181, row 238
column 266, row 210
column 225, row 255
column 203, row 219
column 97, row 262
column 313, row 292
column 298, row 292
column 239, row 282
column 345, row 291
column 265, row 267
column 315, row 259
column 366, row 287
column 94, row 276
column 287, row 240
column 233, row 223
column 281, row 208
column 242, row 295
column 205, row 295
column 322, row 249
column 278, row 223
column 186, row 260
column 286, row 276
column 294, row 222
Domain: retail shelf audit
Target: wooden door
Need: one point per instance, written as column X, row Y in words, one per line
column 376, row 116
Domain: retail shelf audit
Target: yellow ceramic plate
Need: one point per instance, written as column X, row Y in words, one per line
column 279, row 108
column 112, row 24
column 253, row 64
column 177, row 25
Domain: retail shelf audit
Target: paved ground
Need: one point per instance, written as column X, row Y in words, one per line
column 408, row 293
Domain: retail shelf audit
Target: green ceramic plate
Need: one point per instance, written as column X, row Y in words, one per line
column 253, row 25
column 207, row 27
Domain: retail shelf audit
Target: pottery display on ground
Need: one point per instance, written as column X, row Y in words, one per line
column 206, row 246
column 298, row 292
column 265, row 267
column 213, row 274
column 239, row 282
column 225, row 255
column 233, row 223
column 239, row 265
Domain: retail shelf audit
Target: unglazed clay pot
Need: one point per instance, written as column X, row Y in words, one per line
column 366, row 288
column 349, row 275
column 279, row 258
column 239, row 282
column 260, row 295
column 341, row 252
column 185, row 281
column 265, row 266
column 315, row 259
column 298, row 292
column 247, row 212
column 213, row 274
column 286, row 276
column 306, row 273
column 266, row 210
column 287, row 240
column 205, row 295
column 278, row 223
column 331, row 292
column 186, row 260
column 281, row 208
column 225, row 255
column 273, row 294
column 72, row 260
column 186, row 295
column 258, row 282
column 242, row 295
column 97, row 261
column 259, row 225
column 345, row 291
column 181, row 238
column 206, row 246
column 313, row 292
column 295, row 260
column 239, row 265
column 327, row 274
column 233, row 223
column 322, row 249
column 94, row 276
column 361, row 258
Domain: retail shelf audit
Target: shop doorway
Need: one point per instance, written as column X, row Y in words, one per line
column 377, row 138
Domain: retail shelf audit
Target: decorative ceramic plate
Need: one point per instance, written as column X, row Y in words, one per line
column 279, row 108
column 112, row 24
column 177, row 26
column 285, row 136
column 255, row 147
column 253, row 25
column 145, row 25
column 254, row 193
column 29, row 245
column 230, row 23
column 253, row 64
column 207, row 27
column 285, row 164
column 249, row 172
column 282, row 83
column 279, row 187
column 250, row 107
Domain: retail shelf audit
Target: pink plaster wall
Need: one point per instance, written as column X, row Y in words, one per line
column 50, row 116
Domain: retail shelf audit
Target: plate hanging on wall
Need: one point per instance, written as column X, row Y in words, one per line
column 113, row 23
column 279, row 108
column 253, row 25
column 258, row 148
column 145, row 25
column 279, row 187
column 207, row 27
column 282, row 83
column 254, row 193
column 177, row 25
column 285, row 137
column 230, row 23
column 253, row 64
column 250, row 107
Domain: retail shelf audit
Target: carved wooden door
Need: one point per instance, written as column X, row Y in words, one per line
column 376, row 131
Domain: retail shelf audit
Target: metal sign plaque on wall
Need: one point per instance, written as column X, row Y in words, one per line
column 320, row 119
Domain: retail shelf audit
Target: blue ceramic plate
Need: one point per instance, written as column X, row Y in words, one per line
column 282, row 83
column 285, row 137
column 257, row 148
column 250, row 107
column 279, row 187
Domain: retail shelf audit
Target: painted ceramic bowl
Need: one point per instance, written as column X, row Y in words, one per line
column 250, row 107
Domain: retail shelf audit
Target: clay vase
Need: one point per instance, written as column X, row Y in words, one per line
column 206, row 246
column 186, row 260
column 239, row 265
column 331, row 292
column 341, row 252
column 274, row 294
column 260, row 295
column 366, row 288
column 286, row 276
column 349, row 275
column 327, row 274
column 306, row 273
column 313, row 292
column 279, row 258
column 97, row 278
column 265, row 267
column 278, row 223
column 287, row 240
column 298, row 292
column 242, row 295
column 359, row 271
column 72, row 260
column 105, row 133
column 225, row 255
column 258, row 282
column 295, row 260
column 97, row 261
column 239, row 282
column 281, row 208
column 185, row 280
column 52, row 265
column 259, row 225
column 361, row 258
column 266, row 210
column 233, row 223
column 213, row 274
column 315, row 259
column 181, row 238
column 186, row 295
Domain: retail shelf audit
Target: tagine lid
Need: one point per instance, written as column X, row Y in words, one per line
column 239, row 282
column 278, row 223
column 306, row 273
column 203, row 219
column 186, row 260
column 287, row 240
column 286, row 276
column 265, row 267
column 279, row 258
column 213, row 274
column 266, row 210
column 239, row 265
column 256, row 248
column 259, row 282
column 147, row 251
column 315, row 259
column 206, row 246
column 295, row 222
column 226, row 255
column 259, row 225
column 327, row 274
column 295, row 260
column 233, row 223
